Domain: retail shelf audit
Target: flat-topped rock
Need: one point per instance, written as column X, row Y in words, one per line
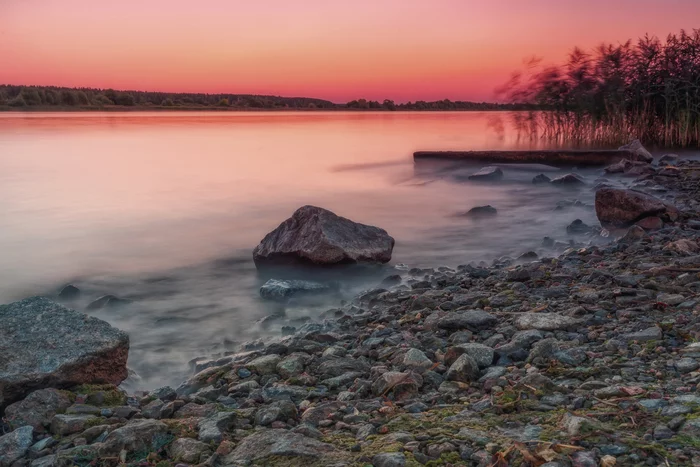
column 316, row 236
column 44, row 344
column 622, row 208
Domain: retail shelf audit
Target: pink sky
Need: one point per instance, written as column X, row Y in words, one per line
column 333, row 49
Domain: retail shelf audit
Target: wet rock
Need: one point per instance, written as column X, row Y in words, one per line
column 541, row 179
column 622, row 208
column 474, row 320
column 37, row 409
column 338, row 366
column 669, row 159
column 281, row 290
column 314, row 415
column 108, row 301
column 319, row 237
column 637, row 151
column 584, row 459
column 292, row 365
column 481, row 211
column 686, row 365
column 568, row 180
column 651, row 223
column 14, row 445
column 54, row 346
column 264, row 365
column 577, row 227
column 165, row 393
column 277, row 443
column 487, row 174
column 69, row 292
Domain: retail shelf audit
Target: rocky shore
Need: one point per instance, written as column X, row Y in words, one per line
column 581, row 357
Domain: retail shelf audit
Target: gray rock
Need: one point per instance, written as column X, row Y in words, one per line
column 313, row 415
column 481, row 211
column 416, row 359
column 153, row 409
column 670, row 299
column 278, row 443
column 482, row 354
column 265, row 365
column 389, row 459
column 37, row 409
column 474, row 320
column 136, row 435
column 317, row 236
column 281, row 290
column 107, row 301
column 166, row 393
column 402, row 385
column 653, row 333
column 686, row 365
column 14, row 445
column 669, row 159
column 63, row 424
column 464, row 369
column 541, row 179
column 338, row 366
column 637, row 151
column 45, row 344
column 568, row 179
column 69, row 292
column 292, row 365
column 546, row 321
column 188, row 450
column 277, row 411
column 212, row 428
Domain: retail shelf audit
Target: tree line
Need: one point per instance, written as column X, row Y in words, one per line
column 39, row 97
column 648, row 89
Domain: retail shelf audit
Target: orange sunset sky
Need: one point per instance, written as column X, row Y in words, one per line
column 333, row 49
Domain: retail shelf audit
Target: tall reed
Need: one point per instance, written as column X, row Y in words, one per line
column 648, row 90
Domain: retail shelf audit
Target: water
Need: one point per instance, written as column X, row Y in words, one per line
column 165, row 209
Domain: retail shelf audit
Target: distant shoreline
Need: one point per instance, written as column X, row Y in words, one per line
column 117, row 108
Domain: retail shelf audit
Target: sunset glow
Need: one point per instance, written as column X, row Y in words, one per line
column 376, row 49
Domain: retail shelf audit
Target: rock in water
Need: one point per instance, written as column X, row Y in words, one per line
column 481, row 211
column 69, row 292
column 637, row 151
column 568, row 179
column 577, row 227
column 487, row 173
column 622, row 208
column 541, row 178
column 669, row 159
column 44, row 344
column 317, row 236
column 281, row 290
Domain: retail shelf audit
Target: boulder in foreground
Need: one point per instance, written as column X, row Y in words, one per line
column 277, row 443
column 316, row 236
column 43, row 344
column 622, row 208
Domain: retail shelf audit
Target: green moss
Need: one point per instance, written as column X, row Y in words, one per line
column 688, row 441
column 448, row 458
column 101, row 395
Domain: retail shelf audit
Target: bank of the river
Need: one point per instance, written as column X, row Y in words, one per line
column 586, row 358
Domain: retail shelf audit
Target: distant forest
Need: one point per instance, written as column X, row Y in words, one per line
column 57, row 98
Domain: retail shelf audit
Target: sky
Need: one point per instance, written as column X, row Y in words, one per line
column 333, row 49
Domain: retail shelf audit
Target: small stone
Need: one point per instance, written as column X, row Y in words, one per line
column 481, row 211
column 417, row 360
column 650, row 334
column 389, row 459
column 487, row 174
column 69, row 292
column 662, row 432
column 15, row 445
column 265, row 365
column 686, row 365
column 464, row 369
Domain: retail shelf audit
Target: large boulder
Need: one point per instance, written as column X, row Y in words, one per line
column 266, row 444
column 622, row 208
column 317, row 236
column 43, row 344
column 637, row 151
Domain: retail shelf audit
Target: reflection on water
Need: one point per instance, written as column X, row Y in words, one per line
column 165, row 209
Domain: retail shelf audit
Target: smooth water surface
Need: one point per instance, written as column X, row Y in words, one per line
column 165, row 209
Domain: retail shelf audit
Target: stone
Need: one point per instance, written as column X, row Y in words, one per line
column 389, row 459
column 417, row 360
column 314, row 415
column 14, row 445
column 637, row 151
column 577, row 227
column 165, row 393
column 212, row 428
column 63, row 424
column 670, row 299
column 107, row 301
column 663, row 432
column 622, row 208
column 281, row 290
column 686, row 365
column 45, row 344
column 292, row 365
column 464, row 369
column 188, row 450
column 653, row 333
column 136, row 435
column 541, row 179
column 481, row 211
column 402, row 385
column 487, row 174
column 474, row 320
column 650, row 223
column 37, row 409
column 265, row 365
column 568, row 180
column 316, row 236
column 339, row 366
column 546, row 321
column 482, row 354
column 69, row 292
column 153, row 409
column 277, row 411
column 276, row 443
column 669, row 159
column 683, row 246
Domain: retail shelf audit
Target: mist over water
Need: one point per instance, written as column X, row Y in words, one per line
column 165, row 209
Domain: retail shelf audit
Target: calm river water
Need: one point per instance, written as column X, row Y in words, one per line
column 166, row 208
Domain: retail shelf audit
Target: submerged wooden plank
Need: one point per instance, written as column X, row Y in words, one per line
column 557, row 158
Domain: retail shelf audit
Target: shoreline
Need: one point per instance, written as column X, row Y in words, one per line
column 584, row 358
